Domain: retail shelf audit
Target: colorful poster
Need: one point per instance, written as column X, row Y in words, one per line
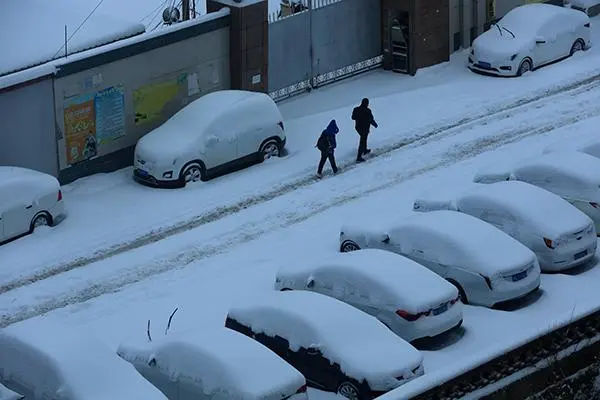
column 110, row 114
column 80, row 128
column 156, row 102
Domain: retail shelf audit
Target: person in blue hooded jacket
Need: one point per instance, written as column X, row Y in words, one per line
column 326, row 145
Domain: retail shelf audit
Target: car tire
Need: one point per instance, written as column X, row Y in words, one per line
column 578, row 45
column 269, row 149
column 40, row 219
column 192, row 172
column 348, row 246
column 285, row 289
column 349, row 390
column 524, row 67
column 461, row 292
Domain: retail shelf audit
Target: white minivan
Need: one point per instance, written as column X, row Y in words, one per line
column 213, row 134
column 28, row 199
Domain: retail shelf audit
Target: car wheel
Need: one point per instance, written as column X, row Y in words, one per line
column 269, row 149
column 461, row 292
column 192, row 173
column 349, row 246
column 285, row 289
column 349, row 391
column 525, row 66
column 39, row 220
column 577, row 46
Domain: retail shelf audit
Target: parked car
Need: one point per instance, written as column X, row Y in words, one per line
column 528, row 37
column 588, row 146
column 28, row 200
column 212, row 134
column 590, row 7
column 55, row 362
column 487, row 266
column 214, row 364
column 560, row 235
column 572, row 175
column 335, row 346
column 7, row 394
column 407, row 297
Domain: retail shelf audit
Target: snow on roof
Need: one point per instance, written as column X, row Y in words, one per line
column 24, row 184
column 37, row 31
column 362, row 346
column 52, row 66
column 7, row 394
column 462, row 240
column 547, row 211
column 529, row 17
column 223, row 360
column 76, row 361
column 390, row 278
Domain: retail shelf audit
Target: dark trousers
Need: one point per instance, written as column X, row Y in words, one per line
column 325, row 155
column 362, row 145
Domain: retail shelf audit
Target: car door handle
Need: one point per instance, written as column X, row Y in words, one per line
column 29, row 206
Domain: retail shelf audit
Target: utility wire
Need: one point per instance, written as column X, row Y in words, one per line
column 79, row 27
column 154, row 12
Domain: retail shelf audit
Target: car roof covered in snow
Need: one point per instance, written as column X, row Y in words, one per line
column 362, row 346
column 389, row 278
column 49, row 357
column 462, row 240
column 222, row 359
column 542, row 209
column 585, row 3
column 528, row 18
column 18, row 184
column 7, row 394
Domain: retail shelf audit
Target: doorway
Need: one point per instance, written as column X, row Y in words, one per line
column 400, row 43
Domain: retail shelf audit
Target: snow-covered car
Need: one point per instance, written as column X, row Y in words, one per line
column 337, row 347
column 47, row 361
column 28, row 200
column 487, row 266
column 528, row 37
column 214, row 364
column 559, row 234
column 407, row 297
column 590, row 7
column 219, row 131
column 7, row 394
column 572, row 175
column 587, row 145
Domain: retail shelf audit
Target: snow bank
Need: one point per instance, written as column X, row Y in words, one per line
column 37, row 32
column 455, row 238
column 546, row 211
column 21, row 184
column 57, row 360
column 389, row 279
column 7, row 394
column 222, row 361
column 362, row 346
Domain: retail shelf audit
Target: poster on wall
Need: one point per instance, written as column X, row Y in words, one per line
column 156, row 102
column 92, row 120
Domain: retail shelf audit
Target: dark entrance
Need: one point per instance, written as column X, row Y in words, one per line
column 400, row 43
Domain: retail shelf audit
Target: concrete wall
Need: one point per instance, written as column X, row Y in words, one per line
column 27, row 131
column 121, row 97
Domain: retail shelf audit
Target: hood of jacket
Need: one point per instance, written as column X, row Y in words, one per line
column 332, row 128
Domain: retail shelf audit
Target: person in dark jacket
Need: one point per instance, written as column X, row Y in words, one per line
column 326, row 145
column 363, row 118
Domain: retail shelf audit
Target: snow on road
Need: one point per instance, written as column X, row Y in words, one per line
column 136, row 215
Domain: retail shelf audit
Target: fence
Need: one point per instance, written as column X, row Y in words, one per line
column 323, row 42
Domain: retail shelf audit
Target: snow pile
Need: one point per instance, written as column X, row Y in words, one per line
column 454, row 238
column 221, row 362
column 18, row 185
column 37, row 32
column 388, row 279
column 57, row 361
column 7, row 394
column 362, row 346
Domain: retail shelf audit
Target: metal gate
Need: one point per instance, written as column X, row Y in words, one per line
column 324, row 42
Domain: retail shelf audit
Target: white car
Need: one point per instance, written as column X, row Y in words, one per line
column 214, row 364
column 407, row 297
column 587, row 145
column 217, row 132
column 335, row 346
column 28, row 199
column 46, row 361
column 572, row 175
column 487, row 266
column 559, row 234
column 7, row 394
column 590, row 7
column 529, row 37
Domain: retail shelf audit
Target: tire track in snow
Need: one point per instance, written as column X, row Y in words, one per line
column 483, row 118
column 308, row 207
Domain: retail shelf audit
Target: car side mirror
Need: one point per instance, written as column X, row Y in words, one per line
column 385, row 239
column 310, row 284
column 540, row 40
column 212, row 140
column 313, row 351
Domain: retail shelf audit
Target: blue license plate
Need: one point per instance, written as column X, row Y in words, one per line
column 519, row 276
column 485, row 65
column 440, row 309
column 142, row 172
column 581, row 254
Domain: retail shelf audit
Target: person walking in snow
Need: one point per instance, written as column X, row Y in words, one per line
column 363, row 118
column 326, row 145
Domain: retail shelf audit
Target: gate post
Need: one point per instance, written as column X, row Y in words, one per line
column 248, row 43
